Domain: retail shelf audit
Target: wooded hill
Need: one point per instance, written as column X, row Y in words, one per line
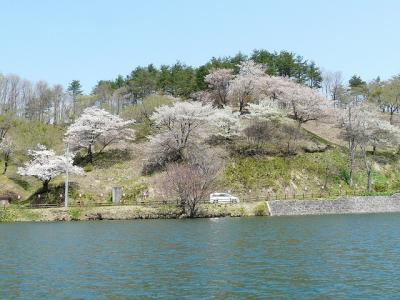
column 264, row 124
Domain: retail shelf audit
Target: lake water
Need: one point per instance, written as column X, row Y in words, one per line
column 348, row 256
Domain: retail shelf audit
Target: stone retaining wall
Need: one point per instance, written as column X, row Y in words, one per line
column 353, row 205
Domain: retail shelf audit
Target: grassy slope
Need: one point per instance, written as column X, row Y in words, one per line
column 295, row 174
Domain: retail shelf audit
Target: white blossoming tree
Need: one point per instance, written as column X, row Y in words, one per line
column 249, row 85
column 304, row 103
column 265, row 109
column 224, row 122
column 184, row 124
column 179, row 123
column 218, row 83
column 45, row 164
column 97, row 126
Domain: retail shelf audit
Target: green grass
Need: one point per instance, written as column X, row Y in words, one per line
column 307, row 172
column 75, row 214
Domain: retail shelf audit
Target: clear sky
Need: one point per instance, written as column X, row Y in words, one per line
column 61, row 40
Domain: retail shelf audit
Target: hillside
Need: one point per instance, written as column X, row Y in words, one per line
column 317, row 164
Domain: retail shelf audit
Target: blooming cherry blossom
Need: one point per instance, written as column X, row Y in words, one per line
column 96, row 125
column 218, row 83
column 45, row 165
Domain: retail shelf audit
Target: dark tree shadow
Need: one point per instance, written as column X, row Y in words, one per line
column 22, row 183
column 55, row 194
column 110, row 157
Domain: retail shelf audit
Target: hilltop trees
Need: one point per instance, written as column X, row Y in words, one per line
column 332, row 86
column 45, row 165
column 391, row 96
column 218, row 83
column 38, row 102
column 289, row 65
column 304, row 103
column 75, row 90
column 252, row 85
column 248, row 86
column 180, row 80
column 97, row 127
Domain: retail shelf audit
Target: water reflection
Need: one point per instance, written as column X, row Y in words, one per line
column 296, row 257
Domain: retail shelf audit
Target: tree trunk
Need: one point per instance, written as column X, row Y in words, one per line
column 351, row 177
column 241, row 106
column 351, row 167
column 90, row 154
column 5, row 167
column 46, row 185
column 369, row 186
column 326, row 176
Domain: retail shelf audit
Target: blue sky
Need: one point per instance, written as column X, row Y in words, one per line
column 61, row 40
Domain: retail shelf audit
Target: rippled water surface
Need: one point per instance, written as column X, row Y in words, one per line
column 352, row 256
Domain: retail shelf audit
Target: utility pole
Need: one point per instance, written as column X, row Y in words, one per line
column 66, row 177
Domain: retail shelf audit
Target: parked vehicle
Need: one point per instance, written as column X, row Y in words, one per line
column 223, row 198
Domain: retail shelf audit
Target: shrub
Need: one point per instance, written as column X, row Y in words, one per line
column 88, row 168
column 260, row 209
column 380, row 186
column 75, row 214
column 133, row 190
column 7, row 215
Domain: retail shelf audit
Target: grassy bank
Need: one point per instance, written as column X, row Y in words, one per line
column 310, row 172
column 128, row 212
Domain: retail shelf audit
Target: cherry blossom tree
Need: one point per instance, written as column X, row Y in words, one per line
column 303, row 103
column 265, row 109
column 224, row 122
column 190, row 183
column 218, row 83
column 249, row 85
column 252, row 85
column 184, row 124
column 97, row 126
column 363, row 130
column 180, row 123
column 45, row 165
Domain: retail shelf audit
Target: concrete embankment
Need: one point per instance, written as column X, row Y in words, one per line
column 351, row 205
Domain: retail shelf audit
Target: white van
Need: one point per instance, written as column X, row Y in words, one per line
column 223, row 198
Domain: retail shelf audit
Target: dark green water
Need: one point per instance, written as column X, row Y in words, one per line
column 335, row 257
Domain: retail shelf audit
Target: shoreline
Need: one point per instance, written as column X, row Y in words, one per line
column 351, row 205
column 127, row 212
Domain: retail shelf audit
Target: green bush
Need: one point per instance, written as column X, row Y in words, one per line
column 88, row 168
column 7, row 215
column 380, row 186
column 260, row 209
column 133, row 190
column 75, row 214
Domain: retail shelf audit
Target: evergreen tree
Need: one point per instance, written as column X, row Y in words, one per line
column 75, row 89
